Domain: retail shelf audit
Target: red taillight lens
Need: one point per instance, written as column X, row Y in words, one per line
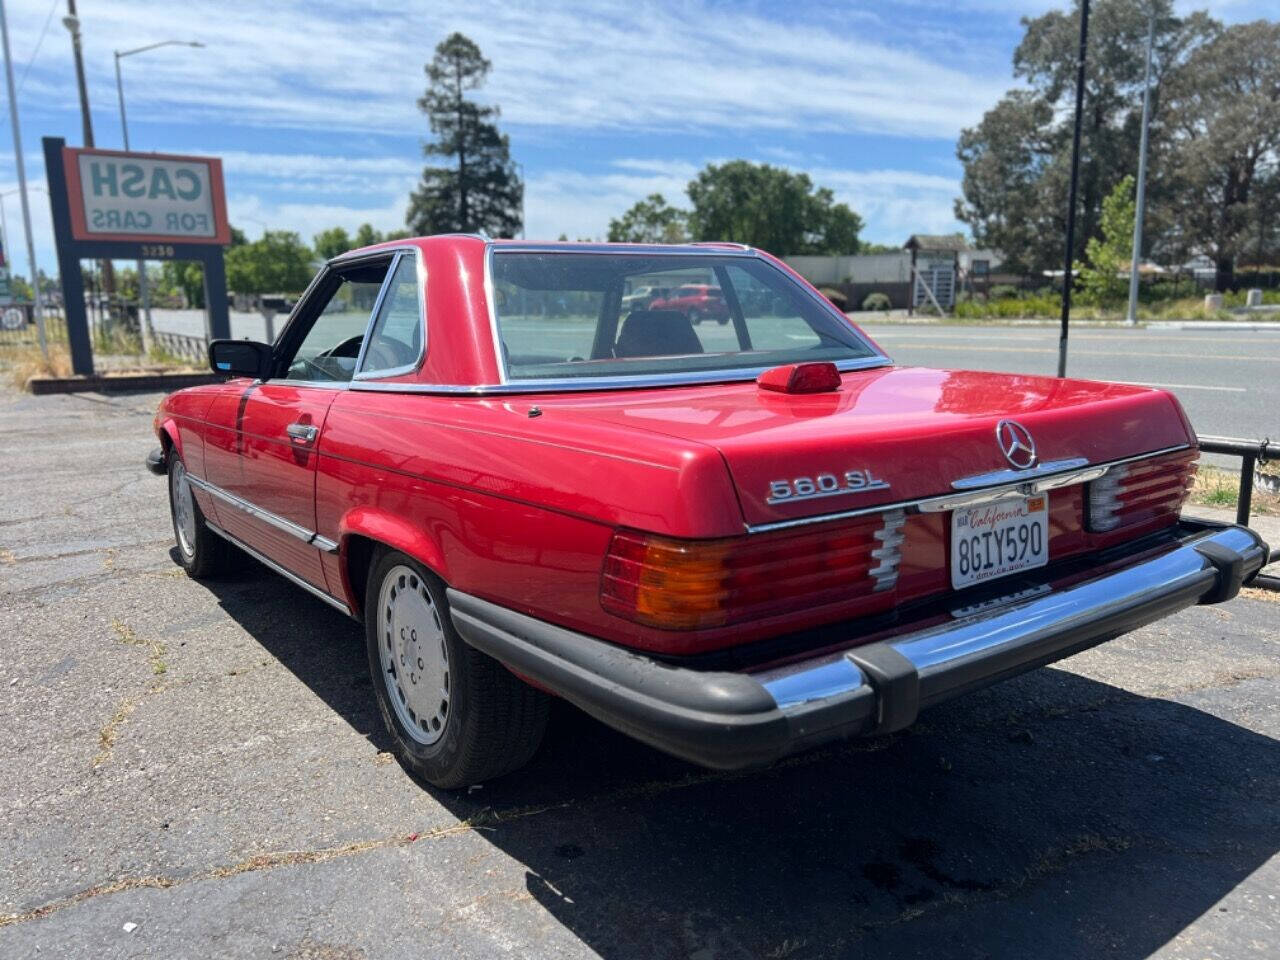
column 695, row 584
column 1140, row 492
column 801, row 378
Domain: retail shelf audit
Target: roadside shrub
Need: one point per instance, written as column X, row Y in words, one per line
column 1003, row 291
column 837, row 297
column 1008, row 308
column 876, row 301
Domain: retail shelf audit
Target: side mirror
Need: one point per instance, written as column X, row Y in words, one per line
column 240, row 358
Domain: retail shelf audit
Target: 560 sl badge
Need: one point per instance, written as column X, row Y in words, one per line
column 823, row 485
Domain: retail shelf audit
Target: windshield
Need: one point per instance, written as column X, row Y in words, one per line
column 579, row 315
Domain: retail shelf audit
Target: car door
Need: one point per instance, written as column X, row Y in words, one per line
column 260, row 461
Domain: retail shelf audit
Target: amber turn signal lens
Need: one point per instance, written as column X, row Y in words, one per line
column 695, row 584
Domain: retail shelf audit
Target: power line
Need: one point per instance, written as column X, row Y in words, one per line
column 36, row 52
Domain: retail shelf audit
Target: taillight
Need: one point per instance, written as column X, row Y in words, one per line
column 695, row 584
column 1140, row 492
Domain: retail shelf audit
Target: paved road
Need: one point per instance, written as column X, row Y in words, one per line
column 205, row 760
column 1229, row 382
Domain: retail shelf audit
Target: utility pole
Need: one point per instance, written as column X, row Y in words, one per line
column 72, row 22
column 1141, row 205
column 1071, row 196
column 22, row 187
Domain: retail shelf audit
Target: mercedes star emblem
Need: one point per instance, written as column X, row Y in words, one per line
column 1016, row 443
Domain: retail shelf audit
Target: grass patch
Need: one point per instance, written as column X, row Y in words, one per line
column 1215, row 487
column 19, row 364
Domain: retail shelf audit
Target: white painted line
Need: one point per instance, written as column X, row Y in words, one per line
column 1179, row 386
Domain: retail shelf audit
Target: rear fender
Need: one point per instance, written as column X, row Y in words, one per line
column 391, row 531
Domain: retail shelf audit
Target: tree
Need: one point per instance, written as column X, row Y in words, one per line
column 277, row 263
column 332, row 242
column 771, row 208
column 651, row 220
column 366, row 236
column 185, row 278
column 479, row 190
column 1105, row 279
column 1224, row 187
column 1017, row 159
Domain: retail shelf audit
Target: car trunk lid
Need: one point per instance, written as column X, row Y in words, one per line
column 890, row 435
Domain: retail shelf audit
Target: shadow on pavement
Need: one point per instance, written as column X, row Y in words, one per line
column 1050, row 816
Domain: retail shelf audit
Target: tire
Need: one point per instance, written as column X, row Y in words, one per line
column 479, row 720
column 722, row 321
column 202, row 553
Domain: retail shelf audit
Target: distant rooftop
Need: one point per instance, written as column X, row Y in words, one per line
column 946, row 242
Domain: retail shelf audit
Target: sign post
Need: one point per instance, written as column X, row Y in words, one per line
column 113, row 205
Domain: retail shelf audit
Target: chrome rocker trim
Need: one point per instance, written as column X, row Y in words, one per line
column 266, row 516
column 272, row 565
column 730, row 720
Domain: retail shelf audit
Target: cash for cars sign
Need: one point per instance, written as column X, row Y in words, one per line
column 145, row 197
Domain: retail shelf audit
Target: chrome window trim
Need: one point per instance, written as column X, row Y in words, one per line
column 420, row 275
column 589, row 384
column 266, row 516
column 953, row 501
column 373, row 311
column 284, row 572
column 877, row 358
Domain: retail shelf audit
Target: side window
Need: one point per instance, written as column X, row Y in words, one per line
column 773, row 317
column 329, row 351
column 396, row 340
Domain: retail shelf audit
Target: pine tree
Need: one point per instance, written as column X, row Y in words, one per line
column 479, row 190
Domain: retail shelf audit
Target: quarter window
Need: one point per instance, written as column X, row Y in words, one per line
column 395, row 343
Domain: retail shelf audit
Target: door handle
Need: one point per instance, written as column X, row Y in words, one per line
column 302, row 434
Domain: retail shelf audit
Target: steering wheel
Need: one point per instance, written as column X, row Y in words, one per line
column 349, row 347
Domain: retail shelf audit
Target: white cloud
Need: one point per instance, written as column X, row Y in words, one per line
column 571, row 65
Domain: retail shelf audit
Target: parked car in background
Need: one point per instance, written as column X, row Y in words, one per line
column 732, row 543
column 696, row 301
column 641, row 297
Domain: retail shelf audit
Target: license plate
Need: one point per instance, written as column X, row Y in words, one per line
column 997, row 539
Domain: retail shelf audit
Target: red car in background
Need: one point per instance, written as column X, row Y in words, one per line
column 696, row 301
column 731, row 543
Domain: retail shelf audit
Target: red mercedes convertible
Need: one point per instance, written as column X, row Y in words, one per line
column 731, row 542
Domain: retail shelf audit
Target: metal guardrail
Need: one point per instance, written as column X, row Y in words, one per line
column 193, row 349
column 1251, row 453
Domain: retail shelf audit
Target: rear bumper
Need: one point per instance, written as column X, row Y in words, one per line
column 729, row 720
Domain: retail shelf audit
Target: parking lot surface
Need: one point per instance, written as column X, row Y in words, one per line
column 198, row 770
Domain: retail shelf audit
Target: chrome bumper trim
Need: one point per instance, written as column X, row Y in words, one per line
column 987, row 646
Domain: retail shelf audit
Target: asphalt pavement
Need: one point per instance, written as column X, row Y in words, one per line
column 198, row 770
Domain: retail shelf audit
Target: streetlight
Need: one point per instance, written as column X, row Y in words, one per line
column 143, row 287
column 22, row 181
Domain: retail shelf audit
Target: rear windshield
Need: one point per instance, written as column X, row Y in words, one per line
column 578, row 315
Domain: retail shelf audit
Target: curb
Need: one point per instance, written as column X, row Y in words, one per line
column 130, row 383
column 1243, row 325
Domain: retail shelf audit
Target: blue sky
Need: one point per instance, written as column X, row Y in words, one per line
column 312, row 104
